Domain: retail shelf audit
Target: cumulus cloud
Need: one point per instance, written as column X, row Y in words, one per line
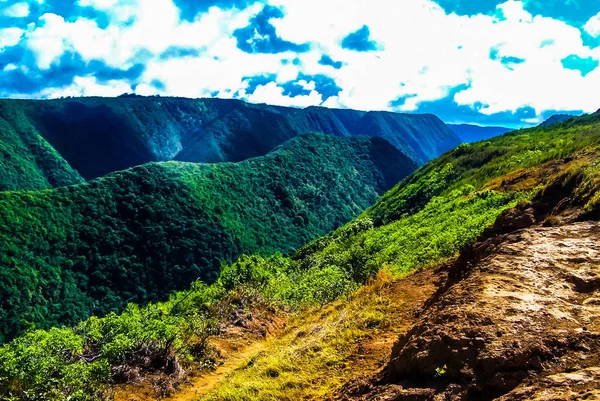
column 485, row 61
column 18, row 10
column 592, row 27
column 10, row 37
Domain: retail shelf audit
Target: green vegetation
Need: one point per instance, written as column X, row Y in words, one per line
column 135, row 236
column 27, row 161
column 99, row 136
column 420, row 223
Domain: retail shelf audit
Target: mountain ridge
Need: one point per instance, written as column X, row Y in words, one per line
column 470, row 133
column 97, row 136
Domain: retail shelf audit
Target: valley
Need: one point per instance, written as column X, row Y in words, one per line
column 296, row 200
column 347, row 296
column 99, row 136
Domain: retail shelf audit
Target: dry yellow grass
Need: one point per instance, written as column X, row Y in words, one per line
column 324, row 348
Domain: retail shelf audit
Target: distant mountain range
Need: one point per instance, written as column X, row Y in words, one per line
column 556, row 119
column 469, row 133
column 58, row 142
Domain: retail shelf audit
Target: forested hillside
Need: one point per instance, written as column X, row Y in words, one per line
column 136, row 235
column 27, row 161
column 420, row 223
column 556, row 119
column 97, row 136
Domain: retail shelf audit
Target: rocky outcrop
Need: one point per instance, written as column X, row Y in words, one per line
column 517, row 319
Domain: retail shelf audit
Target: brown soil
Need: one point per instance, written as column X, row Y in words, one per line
column 199, row 386
column 409, row 295
column 517, row 319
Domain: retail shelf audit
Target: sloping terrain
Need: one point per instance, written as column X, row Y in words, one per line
column 27, row 161
column 98, row 136
column 136, row 235
column 422, row 223
column 469, row 133
column 556, row 119
column 518, row 318
column 341, row 327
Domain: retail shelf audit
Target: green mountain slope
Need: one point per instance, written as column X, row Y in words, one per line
column 27, row 161
column 449, row 202
column 134, row 236
column 98, row 136
column 556, row 119
column 421, row 222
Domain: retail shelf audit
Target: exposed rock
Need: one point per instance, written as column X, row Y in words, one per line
column 579, row 385
column 518, row 318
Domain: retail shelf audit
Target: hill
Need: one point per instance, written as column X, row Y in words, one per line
column 98, row 136
column 342, row 331
column 490, row 298
column 469, row 133
column 136, row 235
column 27, row 161
column 556, row 119
column 423, row 223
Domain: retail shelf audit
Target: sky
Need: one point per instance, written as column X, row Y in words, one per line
column 488, row 62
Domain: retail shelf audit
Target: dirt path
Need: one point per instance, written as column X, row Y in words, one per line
column 324, row 347
column 200, row 385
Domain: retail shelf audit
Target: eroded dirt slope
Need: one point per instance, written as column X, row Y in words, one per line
column 517, row 319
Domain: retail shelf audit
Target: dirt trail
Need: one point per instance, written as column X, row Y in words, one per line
column 235, row 352
column 199, row 386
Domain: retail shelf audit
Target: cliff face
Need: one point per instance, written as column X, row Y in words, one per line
column 97, row 136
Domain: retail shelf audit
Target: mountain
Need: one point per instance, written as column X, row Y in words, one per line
column 98, row 136
column 484, row 326
column 136, row 235
column 556, row 119
column 477, row 274
column 26, row 159
column 469, row 133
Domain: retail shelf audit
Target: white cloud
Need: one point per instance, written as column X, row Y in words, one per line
column 48, row 42
column 273, row 94
column 592, row 27
column 18, row 10
column 10, row 37
column 89, row 86
column 427, row 53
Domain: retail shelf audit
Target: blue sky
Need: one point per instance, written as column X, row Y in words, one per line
column 483, row 61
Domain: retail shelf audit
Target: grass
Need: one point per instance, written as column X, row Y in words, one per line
column 317, row 353
column 420, row 223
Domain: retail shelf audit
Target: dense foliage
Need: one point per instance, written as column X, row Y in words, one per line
column 27, row 161
column 421, row 222
column 90, row 249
